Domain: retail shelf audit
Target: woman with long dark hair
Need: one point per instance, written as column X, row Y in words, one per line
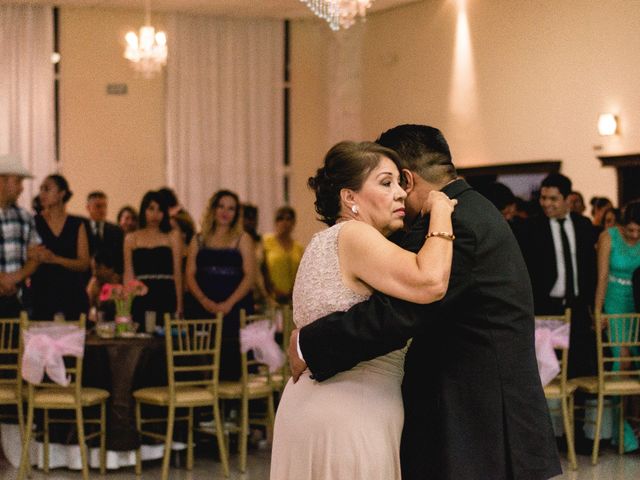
column 152, row 254
column 58, row 285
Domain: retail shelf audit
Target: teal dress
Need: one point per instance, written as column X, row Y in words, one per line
column 623, row 260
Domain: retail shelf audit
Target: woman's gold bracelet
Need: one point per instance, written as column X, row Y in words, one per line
column 447, row 235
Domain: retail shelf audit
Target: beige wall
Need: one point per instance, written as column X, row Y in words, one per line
column 543, row 73
column 115, row 143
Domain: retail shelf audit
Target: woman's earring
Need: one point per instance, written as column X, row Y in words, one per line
column 354, row 209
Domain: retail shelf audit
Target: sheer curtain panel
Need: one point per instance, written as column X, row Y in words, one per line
column 225, row 108
column 27, row 123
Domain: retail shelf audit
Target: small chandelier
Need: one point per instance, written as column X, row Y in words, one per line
column 339, row 13
column 148, row 50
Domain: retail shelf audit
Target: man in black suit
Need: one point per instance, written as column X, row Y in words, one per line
column 549, row 241
column 474, row 405
column 103, row 235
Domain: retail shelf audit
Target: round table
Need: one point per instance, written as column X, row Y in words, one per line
column 121, row 366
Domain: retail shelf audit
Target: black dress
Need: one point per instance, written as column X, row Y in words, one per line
column 154, row 267
column 218, row 273
column 56, row 289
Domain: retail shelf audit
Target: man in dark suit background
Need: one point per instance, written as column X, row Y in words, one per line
column 103, row 235
column 557, row 283
column 474, row 404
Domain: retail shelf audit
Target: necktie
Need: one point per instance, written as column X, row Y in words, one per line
column 569, row 292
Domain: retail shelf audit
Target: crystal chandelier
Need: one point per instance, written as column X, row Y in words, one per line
column 339, row 13
column 148, row 50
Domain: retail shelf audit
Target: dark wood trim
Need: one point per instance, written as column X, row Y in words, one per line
column 629, row 160
column 621, row 163
column 542, row 166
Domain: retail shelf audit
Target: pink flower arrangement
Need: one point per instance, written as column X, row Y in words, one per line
column 123, row 295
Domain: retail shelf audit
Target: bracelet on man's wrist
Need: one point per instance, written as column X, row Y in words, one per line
column 445, row 235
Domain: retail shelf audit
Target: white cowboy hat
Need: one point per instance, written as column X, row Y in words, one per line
column 12, row 165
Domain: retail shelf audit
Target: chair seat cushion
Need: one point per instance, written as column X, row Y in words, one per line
column 8, row 394
column 184, row 396
column 554, row 389
column 258, row 387
column 623, row 385
column 66, row 397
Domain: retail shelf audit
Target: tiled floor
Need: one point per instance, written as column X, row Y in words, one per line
column 610, row 467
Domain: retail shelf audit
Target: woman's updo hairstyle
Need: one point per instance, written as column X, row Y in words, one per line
column 346, row 165
column 62, row 185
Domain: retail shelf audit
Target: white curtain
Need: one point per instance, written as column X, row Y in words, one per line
column 225, row 108
column 27, row 124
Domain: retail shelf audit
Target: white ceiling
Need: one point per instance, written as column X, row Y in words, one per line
column 236, row 8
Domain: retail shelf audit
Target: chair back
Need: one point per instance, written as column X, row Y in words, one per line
column 193, row 351
column 620, row 330
column 287, row 326
column 254, row 370
column 562, row 351
column 52, row 332
column 9, row 350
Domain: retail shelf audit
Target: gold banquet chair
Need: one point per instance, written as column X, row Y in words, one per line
column 10, row 378
column 562, row 389
column 279, row 379
column 254, row 384
column 51, row 396
column 622, row 331
column 193, row 362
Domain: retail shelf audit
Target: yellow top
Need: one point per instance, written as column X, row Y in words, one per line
column 282, row 265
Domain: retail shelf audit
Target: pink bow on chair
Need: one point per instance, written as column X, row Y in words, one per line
column 549, row 338
column 44, row 348
column 260, row 337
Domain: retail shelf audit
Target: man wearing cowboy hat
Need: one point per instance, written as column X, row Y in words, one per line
column 18, row 236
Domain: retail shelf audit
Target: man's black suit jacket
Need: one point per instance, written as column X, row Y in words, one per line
column 112, row 241
column 474, row 404
column 540, row 255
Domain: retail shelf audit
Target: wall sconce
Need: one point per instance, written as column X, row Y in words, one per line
column 608, row 124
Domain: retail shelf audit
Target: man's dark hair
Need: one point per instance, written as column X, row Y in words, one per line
column 422, row 150
column 498, row 194
column 562, row 183
column 96, row 194
column 168, row 197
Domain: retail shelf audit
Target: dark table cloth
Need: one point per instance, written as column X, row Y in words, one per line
column 121, row 366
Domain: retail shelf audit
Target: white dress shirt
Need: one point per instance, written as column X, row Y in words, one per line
column 558, row 288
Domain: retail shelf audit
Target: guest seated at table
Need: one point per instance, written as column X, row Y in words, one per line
column 103, row 268
column 153, row 255
column 58, row 285
column 221, row 272
column 282, row 256
column 128, row 219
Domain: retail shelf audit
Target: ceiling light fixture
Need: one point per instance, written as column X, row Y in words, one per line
column 339, row 13
column 148, row 50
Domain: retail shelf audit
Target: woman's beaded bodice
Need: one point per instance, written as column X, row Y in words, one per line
column 319, row 291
